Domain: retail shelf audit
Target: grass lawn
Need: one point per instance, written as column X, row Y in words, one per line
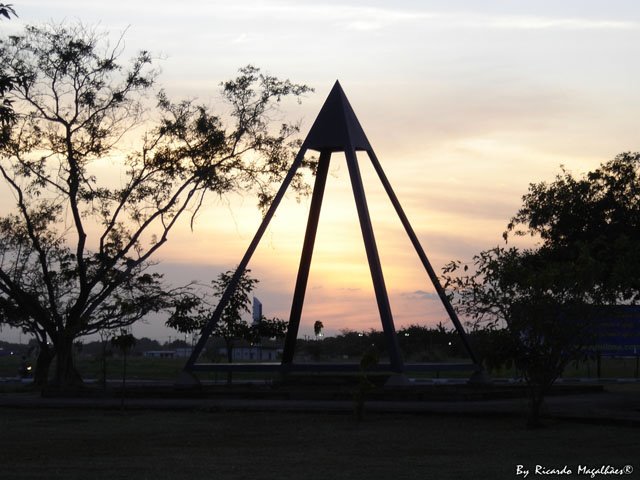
column 170, row 368
column 88, row 444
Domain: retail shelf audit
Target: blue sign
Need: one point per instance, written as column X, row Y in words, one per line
column 617, row 330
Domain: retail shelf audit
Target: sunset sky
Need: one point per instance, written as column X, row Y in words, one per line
column 465, row 104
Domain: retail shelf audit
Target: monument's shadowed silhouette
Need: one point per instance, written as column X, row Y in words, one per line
column 336, row 129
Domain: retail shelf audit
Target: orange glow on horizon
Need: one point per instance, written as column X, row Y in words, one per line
column 340, row 291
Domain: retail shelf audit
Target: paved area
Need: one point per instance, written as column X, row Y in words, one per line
column 617, row 403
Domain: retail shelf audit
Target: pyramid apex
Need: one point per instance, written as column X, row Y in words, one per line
column 336, row 127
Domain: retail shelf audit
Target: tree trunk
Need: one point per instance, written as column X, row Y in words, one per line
column 67, row 376
column 43, row 364
column 536, row 399
column 104, row 365
column 124, row 379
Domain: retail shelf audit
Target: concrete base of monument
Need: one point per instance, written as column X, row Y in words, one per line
column 480, row 377
column 186, row 381
column 397, row 380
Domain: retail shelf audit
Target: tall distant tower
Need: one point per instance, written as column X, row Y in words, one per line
column 257, row 311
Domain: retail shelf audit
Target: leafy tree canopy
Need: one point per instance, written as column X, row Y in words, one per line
column 194, row 311
column 543, row 297
column 590, row 225
column 6, row 84
column 6, row 10
column 77, row 247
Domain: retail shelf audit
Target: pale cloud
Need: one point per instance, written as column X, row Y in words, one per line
column 366, row 18
column 245, row 38
column 422, row 295
column 354, row 17
column 529, row 22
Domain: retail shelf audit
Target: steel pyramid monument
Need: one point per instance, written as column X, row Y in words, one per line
column 336, row 129
column 336, row 126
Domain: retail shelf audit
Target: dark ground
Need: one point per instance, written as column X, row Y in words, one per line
column 263, row 433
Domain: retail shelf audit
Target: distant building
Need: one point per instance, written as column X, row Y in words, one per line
column 257, row 311
column 177, row 353
column 159, row 353
column 243, row 351
column 184, row 352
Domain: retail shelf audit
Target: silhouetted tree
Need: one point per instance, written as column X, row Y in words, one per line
column 518, row 291
column 428, row 343
column 124, row 342
column 7, row 115
column 589, row 225
column 271, row 328
column 317, row 328
column 6, row 10
column 231, row 325
column 368, row 361
column 106, row 337
column 544, row 297
column 194, row 312
column 76, row 250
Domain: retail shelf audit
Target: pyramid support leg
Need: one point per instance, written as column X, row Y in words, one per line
column 423, row 257
column 235, row 279
column 375, row 266
column 305, row 258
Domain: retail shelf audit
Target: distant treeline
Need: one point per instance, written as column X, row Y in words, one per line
column 417, row 344
column 96, row 348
